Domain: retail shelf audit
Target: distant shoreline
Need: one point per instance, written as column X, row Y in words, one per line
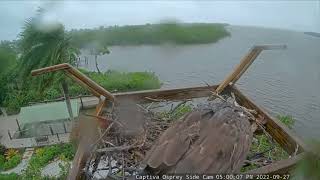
column 315, row 34
column 149, row 34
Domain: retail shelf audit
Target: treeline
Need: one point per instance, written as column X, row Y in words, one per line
column 187, row 33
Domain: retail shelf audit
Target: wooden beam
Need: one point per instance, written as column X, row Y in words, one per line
column 244, row 64
column 244, row 61
column 50, row 69
column 247, row 65
column 88, row 134
column 81, row 83
column 167, row 94
column 280, row 132
column 93, row 86
column 279, row 167
column 90, row 83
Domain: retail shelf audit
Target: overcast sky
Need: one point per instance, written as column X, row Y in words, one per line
column 294, row 15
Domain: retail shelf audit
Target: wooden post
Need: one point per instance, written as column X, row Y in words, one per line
column 244, row 64
column 58, row 137
column 18, row 125
column 64, row 127
column 9, row 135
column 51, row 130
column 67, row 98
column 81, row 102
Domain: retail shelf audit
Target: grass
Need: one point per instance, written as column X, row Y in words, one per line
column 120, row 81
column 11, row 176
column 172, row 32
column 111, row 80
column 262, row 144
column 175, row 113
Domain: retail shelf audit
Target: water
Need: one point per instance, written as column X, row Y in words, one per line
column 281, row 81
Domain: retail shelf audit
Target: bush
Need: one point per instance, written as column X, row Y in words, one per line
column 11, row 176
column 3, row 149
column 68, row 152
column 12, row 162
column 10, row 153
column 9, row 163
column 2, row 161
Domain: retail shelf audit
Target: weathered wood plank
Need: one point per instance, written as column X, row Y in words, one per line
column 90, row 83
column 279, row 167
column 280, row 132
column 240, row 68
column 50, row 69
column 169, row 94
column 81, row 83
column 244, row 64
column 76, row 74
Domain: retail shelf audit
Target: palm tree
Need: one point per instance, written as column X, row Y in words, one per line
column 45, row 44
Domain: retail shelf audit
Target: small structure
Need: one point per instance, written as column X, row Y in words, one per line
column 46, row 119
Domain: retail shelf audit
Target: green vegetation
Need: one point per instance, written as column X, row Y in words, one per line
column 7, row 63
column 10, row 163
column 175, row 113
column 9, row 158
column 11, row 176
column 45, row 155
column 41, row 158
column 271, row 150
column 42, row 45
column 190, row 33
column 111, row 80
column 287, row 120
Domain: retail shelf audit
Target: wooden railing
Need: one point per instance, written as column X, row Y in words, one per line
column 244, row 64
column 104, row 96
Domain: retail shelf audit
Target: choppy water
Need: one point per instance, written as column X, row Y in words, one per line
column 281, row 81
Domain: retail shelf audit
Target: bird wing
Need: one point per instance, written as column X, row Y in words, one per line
column 222, row 146
column 174, row 142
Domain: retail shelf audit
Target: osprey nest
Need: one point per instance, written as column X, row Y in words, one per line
column 194, row 136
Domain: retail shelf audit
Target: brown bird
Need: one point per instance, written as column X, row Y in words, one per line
column 214, row 139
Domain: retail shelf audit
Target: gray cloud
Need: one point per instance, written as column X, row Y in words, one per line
column 295, row 15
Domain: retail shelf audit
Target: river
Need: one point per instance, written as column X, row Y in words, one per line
column 281, row 81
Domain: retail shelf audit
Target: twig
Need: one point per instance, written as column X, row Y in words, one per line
column 143, row 108
column 104, row 133
column 156, row 100
column 249, row 111
column 150, row 106
column 214, row 94
column 118, row 148
column 296, row 150
column 255, row 156
column 107, row 142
